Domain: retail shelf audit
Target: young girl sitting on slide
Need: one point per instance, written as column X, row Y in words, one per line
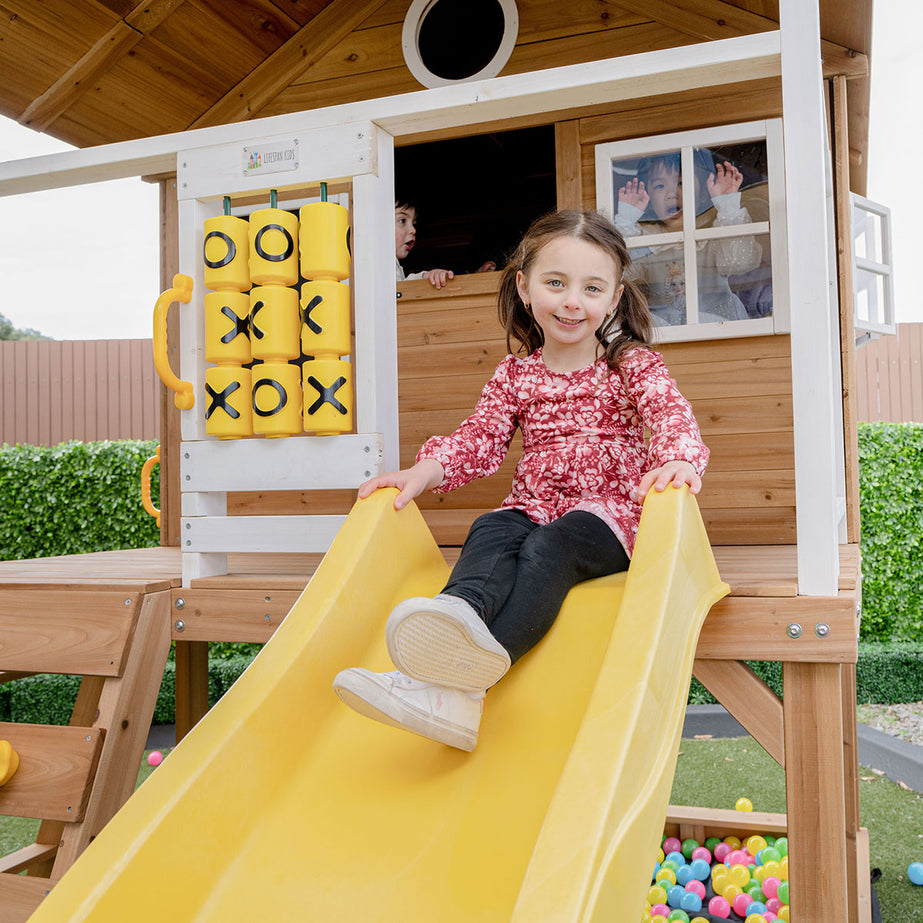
column 582, row 397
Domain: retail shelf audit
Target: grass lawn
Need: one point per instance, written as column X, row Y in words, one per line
column 714, row 774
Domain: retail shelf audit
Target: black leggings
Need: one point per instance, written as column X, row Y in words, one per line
column 516, row 573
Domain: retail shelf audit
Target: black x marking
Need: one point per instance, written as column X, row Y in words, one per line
column 219, row 400
column 241, row 325
column 327, row 395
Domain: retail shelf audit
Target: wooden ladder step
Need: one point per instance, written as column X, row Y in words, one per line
column 27, row 857
column 57, row 766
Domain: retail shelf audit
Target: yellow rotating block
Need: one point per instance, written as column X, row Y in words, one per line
column 9, row 761
column 227, row 327
column 324, row 241
column 277, row 400
column 227, row 254
column 273, row 247
column 275, row 323
column 325, row 319
column 328, row 396
column 228, row 414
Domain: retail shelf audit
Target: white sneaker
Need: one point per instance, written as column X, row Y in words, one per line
column 449, row 716
column 442, row 640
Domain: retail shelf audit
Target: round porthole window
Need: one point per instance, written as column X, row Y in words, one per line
column 457, row 41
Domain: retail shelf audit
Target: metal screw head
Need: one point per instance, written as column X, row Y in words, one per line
column 127, row 602
column 822, row 629
column 179, row 625
column 268, row 617
column 793, row 630
column 180, row 603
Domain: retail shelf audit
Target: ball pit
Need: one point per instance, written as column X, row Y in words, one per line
column 740, row 881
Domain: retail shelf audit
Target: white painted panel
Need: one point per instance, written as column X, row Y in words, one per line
column 203, row 565
column 295, row 463
column 814, row 381
column 324, row 154
column 269, row 534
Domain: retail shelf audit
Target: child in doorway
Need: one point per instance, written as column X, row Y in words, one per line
column 652, row 203
column 582, row 396
column 405, row 236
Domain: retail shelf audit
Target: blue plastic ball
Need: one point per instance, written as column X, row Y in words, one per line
column 675, row 896
column 915, row 872
column 676, row 857
column 700, row 869
column 684, row 875
column 691, row 901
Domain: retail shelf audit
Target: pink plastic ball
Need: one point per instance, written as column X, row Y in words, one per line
column 771, row 886
column 700, row 852
column 723, row 850
column 661, row 910
column 671, row 844
column 774, row 905
column 741, row 902
column 696, row 887
column 155, row 758
column 719, row 907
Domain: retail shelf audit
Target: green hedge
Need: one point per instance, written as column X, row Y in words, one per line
column 891, row 498
column 886, row 674
column 74, row 497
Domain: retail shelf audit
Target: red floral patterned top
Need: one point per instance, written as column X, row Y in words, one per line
column 583, row 437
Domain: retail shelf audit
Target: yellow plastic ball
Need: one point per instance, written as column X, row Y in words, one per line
column 743, row 804
column 783, row 868
column 739, row 875
column 755, row 918
column 657, row 895
column 732, row 841
column 785, row 913
column 755, row 844
column 666, row 874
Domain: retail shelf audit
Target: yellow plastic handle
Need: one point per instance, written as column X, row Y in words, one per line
column 181, row 291
column 9, row 762
column 146, row 470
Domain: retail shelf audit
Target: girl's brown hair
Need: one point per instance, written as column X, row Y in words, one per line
column 630, row 323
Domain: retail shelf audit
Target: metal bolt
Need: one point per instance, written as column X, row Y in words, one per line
column 368, row 449
column 268, row 617
column 186, row 455
column 793, row 630
column 188, row 542
column 822, row 629
column 180, row 603
column 179, row 625
column 368, row 474
column 188, row 525
column 268, row 599
column 127, row 602
column 188, row 477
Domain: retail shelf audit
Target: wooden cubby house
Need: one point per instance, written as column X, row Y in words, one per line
column 537, row 104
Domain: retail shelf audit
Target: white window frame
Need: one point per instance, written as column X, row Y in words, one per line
column 768, row 130
column 884, row 322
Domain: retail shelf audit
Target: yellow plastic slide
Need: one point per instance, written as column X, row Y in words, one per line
column 284, row 805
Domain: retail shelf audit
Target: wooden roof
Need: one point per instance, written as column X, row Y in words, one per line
column 98, row 71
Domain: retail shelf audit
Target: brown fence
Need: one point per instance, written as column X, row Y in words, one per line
column 889, row 377
column 52, row 391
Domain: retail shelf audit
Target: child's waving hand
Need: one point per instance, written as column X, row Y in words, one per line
column 726, row 178
column 634, row 193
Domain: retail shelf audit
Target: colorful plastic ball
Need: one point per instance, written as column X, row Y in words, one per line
column 698, row 920
column 755, row 844
column 672, row 844
column 675, row 896
column 678, row 916
column 774, row 904
column 785, row 915
column 915, row 872
column 696, row 887
column 770, row 854
column 154, row 758
column 658, row 918
column 740, row 904
column 739, row 875
column 675, row 856
column 656, row 895
column 666, row 874
column 711, row 842
column 756, row 907
column 719, row 907
column 660, row 910
column 733, row 842
column 691, row 901
column 771, row 886
column 688, row 847
column 755, row 918
column 782, row 893
column 743, row 804
column 700, row 869
column 701, row 852
column 782, row 845
column 684, row 875
column 722, row 851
